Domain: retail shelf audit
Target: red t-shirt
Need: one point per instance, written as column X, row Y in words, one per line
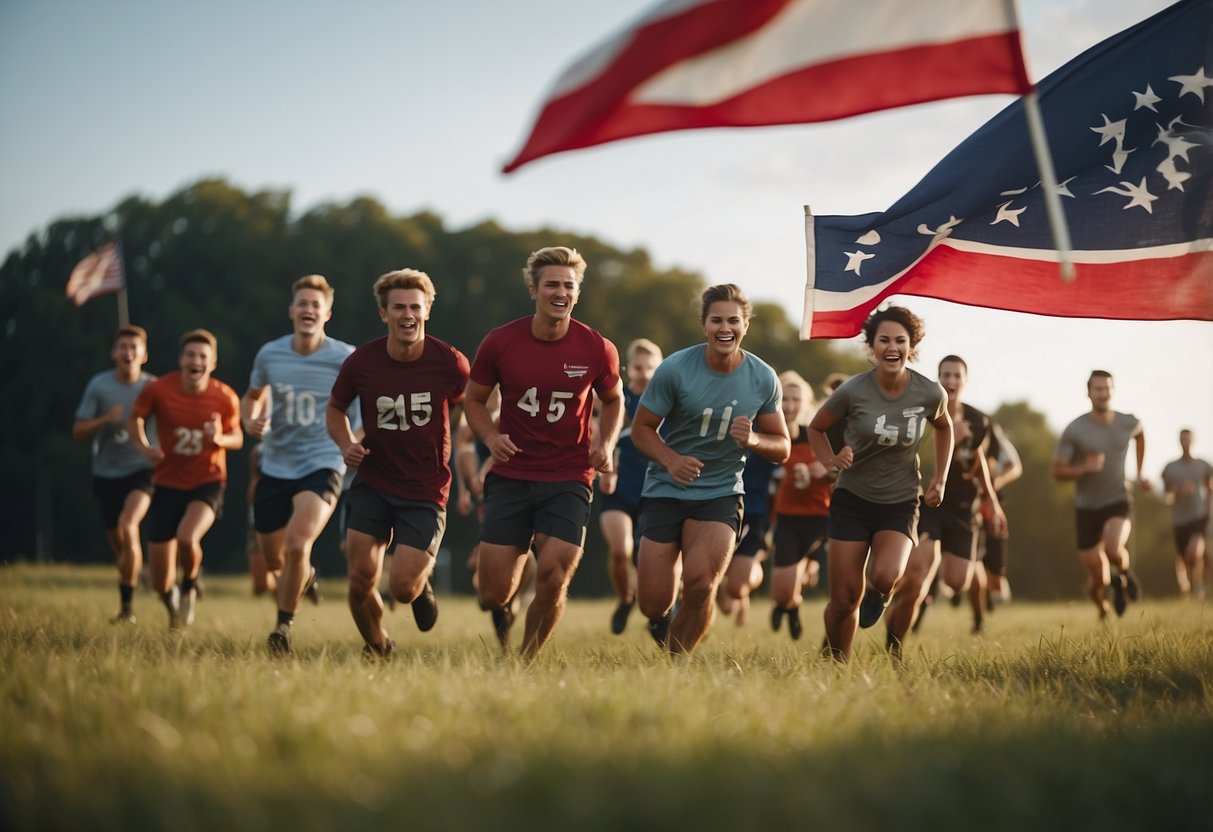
column 545, row 396
column 189, row 459
column 406, row 413
column 797, row 495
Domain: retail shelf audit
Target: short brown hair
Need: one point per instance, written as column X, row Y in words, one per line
column 314, row 281
column 729, row 292
column 404, row 279
column 200, row 336
column 1098, row 374
column 131, row 331
column 553, row 256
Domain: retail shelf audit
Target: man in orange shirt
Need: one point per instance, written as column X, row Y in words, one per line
column 197, row 423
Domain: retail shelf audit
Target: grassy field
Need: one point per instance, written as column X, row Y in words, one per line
column 1049, row 721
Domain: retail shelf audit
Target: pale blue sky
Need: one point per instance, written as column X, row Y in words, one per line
column 419, row 103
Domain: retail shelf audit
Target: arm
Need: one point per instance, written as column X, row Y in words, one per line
column 475, row 408
column 229, row 440
column 943, row 457
column 254, row 414
column 85, row 428
column 822, row 421
column 998, row 516
column 338, row 424
column 1007, row 467
column 135, row 427
column 771, row 441
column 1140, row 441
column 683, row 469
column 610, row 420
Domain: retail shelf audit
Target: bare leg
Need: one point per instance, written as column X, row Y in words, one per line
column 556, row 561
column 707, row 548
column 911, row 590
column 365, row 555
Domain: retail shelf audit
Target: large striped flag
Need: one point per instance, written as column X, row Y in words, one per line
column 100, row 273
column 743, row 63
column 1130, row 124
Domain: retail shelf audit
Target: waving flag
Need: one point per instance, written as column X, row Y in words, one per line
column 1130, row 124
column 743, row 63
column 100, row 273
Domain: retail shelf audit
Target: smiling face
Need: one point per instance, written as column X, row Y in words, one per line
column 952, row 376
column 197, row 362
column 891, row 346
column 129, row 354
column 725, row 326
column 405, row 314
column 794, row 403
column 556, row 292
column 309, row 312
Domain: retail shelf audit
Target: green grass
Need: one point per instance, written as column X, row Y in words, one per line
column 1049, row 721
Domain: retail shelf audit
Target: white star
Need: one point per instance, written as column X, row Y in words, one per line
column 856, row 259
column 1175, row 177
column 1063, row 188
column 1119, row 157
column 1007, row 214
column 1177, row 146
column 1146, row 99
column 1138, row 195
column 1110, row 131
column 1194, row 84
column 937, row 234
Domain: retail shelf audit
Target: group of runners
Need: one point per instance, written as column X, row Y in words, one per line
column 539, row 415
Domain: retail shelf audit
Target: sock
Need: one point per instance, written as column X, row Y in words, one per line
column 284, row 619
column 126, row 593
column 187, row 584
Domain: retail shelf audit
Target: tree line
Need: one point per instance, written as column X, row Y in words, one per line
column 213, row 255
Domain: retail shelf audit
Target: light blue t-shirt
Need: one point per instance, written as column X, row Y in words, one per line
column 698, row 404
column 114, row 455
column 297, row 441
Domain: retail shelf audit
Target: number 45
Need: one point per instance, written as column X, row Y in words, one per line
column 530, row 403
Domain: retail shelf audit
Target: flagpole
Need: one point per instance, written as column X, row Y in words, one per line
column 124, row 317
column 1044, row 166
column 810, row 283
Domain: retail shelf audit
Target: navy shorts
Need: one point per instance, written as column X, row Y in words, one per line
column 273, row 499
column 661, row 518
column 169, row 505
column 854, row 518
column 1089, row 522
column 517, row 510
column 111, row 494
column 414, row 523
column 955, row 530
column 754, row 528
column 1185, row 534
column 798, row 537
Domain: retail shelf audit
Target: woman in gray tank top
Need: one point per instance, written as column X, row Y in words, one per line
column 875, row 503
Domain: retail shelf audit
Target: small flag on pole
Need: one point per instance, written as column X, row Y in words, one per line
column 101, row 273
column 1130, row 125
column 744, row 63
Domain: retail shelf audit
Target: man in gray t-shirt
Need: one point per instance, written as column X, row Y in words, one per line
column 1188, row 482
column 122, row 477
column 1092, row 453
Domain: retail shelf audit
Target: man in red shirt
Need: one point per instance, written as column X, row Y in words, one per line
column 197, row 423
column 409, row 386
column 544, row 454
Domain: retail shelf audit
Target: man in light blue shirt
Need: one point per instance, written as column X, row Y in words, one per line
column 301, row 466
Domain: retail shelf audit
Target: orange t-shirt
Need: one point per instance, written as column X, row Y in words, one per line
column 798, row 495
column 190, row 460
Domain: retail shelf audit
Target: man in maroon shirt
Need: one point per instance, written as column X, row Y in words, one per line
column 409, row 386
column 544, row 454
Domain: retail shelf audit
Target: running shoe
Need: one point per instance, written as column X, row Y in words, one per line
column 872, row 607
column 619, row 620
column 777, row 618
column 279, row 644
column 312, row 592
column 794, row 626
column 378, row 652
column 425, row 608
column 1119, row 595
column 1132, row 587
column 503, row 620
column 185, row 616
column 659, row 628
column 172, row 602
column 123, row 617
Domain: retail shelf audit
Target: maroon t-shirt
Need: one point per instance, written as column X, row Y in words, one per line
column 545, row 396
column 406, row 407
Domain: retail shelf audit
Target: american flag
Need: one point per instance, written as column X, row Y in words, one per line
column 101, row 273
column 1130, row 125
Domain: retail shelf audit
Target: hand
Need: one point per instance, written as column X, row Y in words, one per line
column 116, row 413
column 502, row 448
column 464, row 503
column 742, row 431
column 685, row 470
column 257, row 427
column 213, row 429
column 153, row 454
column 1093, row 463
column 934, row 495
column 843, row 459
column 600, row 460
column 999, row 523
column 354, row 453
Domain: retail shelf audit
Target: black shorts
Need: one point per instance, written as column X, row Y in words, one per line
column 993, row 556
column 613, row 502
column 111, row 494
column 1089, row 522
column 273, row 499
column 414, row 523
column 854, row 518
column 517, row 510
column 169, row 505
column 798, row 537
column 1185, row 534
column 661, row 518
column 955, row 530
column 754, row 528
